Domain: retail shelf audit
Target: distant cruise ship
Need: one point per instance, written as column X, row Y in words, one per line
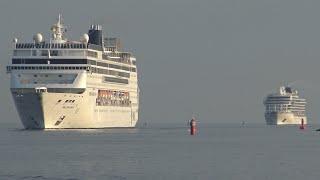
column 58, row 83
column 285, row 107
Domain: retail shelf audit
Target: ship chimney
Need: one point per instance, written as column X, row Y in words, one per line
column 95, row 35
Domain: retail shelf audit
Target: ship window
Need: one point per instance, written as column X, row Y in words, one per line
column 55, row 68
column 44, row 53
column 16, row 61
column 125, row 68
column 73, row 68
column 46, row 75
column 104, row 56
column 35, row 75
column 54, row 53
column 123, row 74
column 100, row 64
column 116, row 80
column 60, row 75
column 133, row 69
column 114, row 66
column 92, row 54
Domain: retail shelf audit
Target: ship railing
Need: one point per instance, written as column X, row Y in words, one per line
column 49, row 53
column 68, row 45
column 95, row 47
column 116, row 58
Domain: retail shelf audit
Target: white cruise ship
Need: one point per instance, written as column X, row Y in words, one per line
column 285, row 107
column 59, row 83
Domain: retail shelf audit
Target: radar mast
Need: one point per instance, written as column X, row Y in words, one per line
column 58, row 31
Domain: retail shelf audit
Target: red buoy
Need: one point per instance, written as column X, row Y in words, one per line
column 302, row 124
column 193, row 127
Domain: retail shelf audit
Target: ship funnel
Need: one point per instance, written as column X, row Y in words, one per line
column 95, row 35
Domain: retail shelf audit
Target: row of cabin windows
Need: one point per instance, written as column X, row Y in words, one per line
column 46, row 68
column 36, row 75
column 116, row 80
column 110, row 72
column 111, row 66
column 70, row 61
column 93, row 69
column 49, row 61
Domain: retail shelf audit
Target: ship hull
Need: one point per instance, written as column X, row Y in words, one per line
column 68, row 110
column 278, row 118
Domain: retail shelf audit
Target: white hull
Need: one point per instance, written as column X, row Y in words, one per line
column 278, row 118
column 74, row 84
column 50, row 110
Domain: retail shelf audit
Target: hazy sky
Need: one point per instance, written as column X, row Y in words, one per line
column 216, row 58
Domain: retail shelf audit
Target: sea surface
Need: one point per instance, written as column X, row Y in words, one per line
column 162, row 151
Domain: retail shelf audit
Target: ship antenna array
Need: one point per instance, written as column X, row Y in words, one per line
column 58, row 30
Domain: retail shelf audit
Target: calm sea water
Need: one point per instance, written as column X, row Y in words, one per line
column 218, row 151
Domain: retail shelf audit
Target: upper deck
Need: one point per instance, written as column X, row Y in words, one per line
column 67, row 50
column 51, row 62
column 91, row 46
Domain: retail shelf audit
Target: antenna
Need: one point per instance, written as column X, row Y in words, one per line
column 58, row 30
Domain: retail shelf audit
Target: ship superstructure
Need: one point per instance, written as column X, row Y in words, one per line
column 285, row 107
column 58, row 83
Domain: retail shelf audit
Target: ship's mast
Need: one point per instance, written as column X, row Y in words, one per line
column 57, row 31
